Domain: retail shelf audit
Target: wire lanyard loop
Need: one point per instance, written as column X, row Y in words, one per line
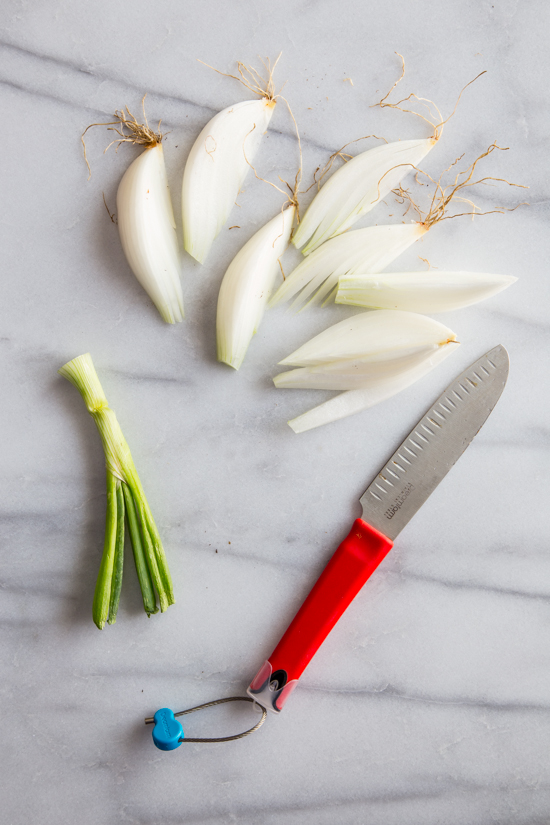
column 168, row 733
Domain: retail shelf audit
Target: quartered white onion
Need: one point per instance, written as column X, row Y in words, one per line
column 355, row 400
column 354, row 373
column 355, row 188
column 370, row 356
column 216, row 169
column 148, row 231
column 361, row 250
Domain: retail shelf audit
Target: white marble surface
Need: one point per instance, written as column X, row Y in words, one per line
column 429, row 704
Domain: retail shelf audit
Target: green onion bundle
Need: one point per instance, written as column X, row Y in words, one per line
column 125, row 496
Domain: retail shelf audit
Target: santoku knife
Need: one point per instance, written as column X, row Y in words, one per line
column 403, row 485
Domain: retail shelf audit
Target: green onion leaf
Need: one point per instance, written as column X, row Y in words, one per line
column 145, row 583
column 102, row 595
column 149, row 554
column 116, row 582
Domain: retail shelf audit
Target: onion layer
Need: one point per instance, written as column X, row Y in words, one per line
column 148, row 231
column 216, row 169
column 246, row 287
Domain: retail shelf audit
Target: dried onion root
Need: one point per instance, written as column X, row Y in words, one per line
column 364, row 180
column 370, row 250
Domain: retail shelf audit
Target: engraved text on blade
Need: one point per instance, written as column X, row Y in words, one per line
column 398, row 503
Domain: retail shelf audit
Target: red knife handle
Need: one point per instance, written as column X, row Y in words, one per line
column 349, row 568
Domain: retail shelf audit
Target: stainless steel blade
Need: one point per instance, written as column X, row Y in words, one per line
column 438, row 440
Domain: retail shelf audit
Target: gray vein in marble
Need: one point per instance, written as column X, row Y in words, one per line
column 126, row 87
column 259, row 814
column 57, row 521
column 391, row 693
column 532, row 323
column 20, row 622
column 473, row 586
column 388, row 693
column 50, row 589
column 534, row 437
column 161, row 379
column 429, row 791
column 55, row 62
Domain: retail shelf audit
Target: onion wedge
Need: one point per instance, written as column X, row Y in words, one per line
column 420, row 291
column 246, row 287
column 354, row 373
column 379, row 335
column 352, row 254
column 145, row 216
column 216, row 168
column 361, row 250
column 355, row 188
column 370, row 356
column 353, row 401
column 148, row 231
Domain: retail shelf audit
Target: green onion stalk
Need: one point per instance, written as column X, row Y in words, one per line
column 125, row 498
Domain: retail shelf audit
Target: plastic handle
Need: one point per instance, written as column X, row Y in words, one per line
column 349, row 568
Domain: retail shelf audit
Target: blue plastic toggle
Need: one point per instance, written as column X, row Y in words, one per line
column 167, row 732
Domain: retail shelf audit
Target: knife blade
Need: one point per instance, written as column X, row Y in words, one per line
column 389, row 502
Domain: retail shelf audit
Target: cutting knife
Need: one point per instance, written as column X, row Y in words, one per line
column 400, row 488
column 403, row 485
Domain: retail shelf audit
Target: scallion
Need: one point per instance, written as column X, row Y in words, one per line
column 124, row 495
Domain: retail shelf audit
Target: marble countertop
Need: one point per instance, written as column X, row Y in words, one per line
column 429, row 703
